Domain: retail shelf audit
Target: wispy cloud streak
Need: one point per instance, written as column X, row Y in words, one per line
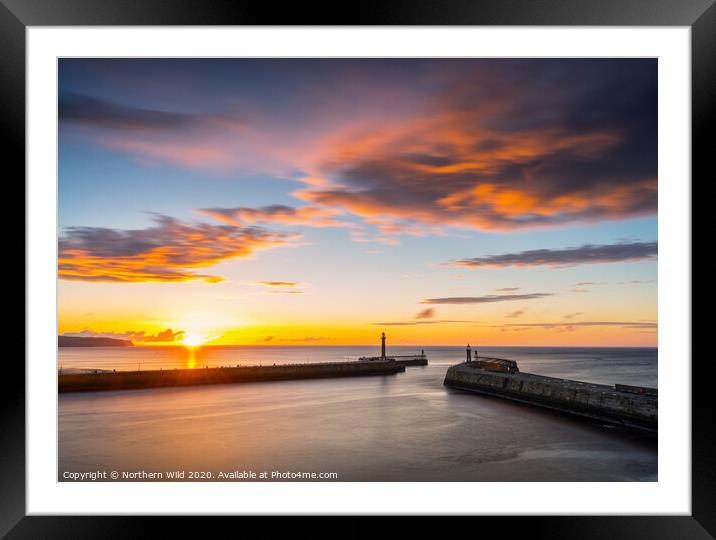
column 308, row 216
column 427, row 313
column 624, row 324
column 586, row 254
column 485, row 299
column 416, row 323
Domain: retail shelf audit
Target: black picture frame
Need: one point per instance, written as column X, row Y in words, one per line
column 17, row 15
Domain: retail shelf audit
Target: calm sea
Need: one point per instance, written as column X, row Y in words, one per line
column 404, row 427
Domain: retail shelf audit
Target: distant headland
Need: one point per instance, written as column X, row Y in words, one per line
column 73, row 341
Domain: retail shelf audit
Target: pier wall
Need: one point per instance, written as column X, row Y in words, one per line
column 401, row 360
column 596, row 401
column 417, row 360
column 412, row 362
column 127, row 380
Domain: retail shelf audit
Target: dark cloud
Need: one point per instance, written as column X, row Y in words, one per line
column 586, row 254
column 512, row 144
column 515, row 314
column 193, row 139
column 572, row 315
column 485, row 299
column 90, row 111
column 508, row 289
column 164, row 252
column 428, row 313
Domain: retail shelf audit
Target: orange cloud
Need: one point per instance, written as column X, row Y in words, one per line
column 487, row 181
column 504, row 149
column 166, row 252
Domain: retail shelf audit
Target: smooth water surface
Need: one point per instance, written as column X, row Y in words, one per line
column 404, row 427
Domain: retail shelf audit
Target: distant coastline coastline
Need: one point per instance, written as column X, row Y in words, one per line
column 73, row 341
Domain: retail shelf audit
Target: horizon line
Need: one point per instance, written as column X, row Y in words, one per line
column 372, row 344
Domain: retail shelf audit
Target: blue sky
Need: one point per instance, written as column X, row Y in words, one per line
column 185, row 182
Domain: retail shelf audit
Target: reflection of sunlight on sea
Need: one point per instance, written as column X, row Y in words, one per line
column 191, row 357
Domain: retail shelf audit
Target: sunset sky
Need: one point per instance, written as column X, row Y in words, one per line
column 312, row 202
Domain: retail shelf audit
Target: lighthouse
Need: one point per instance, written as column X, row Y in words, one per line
column 468, row 353
column 382, row 346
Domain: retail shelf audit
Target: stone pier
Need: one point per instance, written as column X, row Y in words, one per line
column 630, row 406
column 134, row 380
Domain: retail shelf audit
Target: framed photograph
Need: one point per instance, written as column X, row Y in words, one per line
column 429, row 260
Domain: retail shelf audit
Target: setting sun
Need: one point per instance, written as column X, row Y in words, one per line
column 192, row 339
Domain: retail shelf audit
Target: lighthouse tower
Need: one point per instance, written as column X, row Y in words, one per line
column 468, row 354
column 382, row 346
